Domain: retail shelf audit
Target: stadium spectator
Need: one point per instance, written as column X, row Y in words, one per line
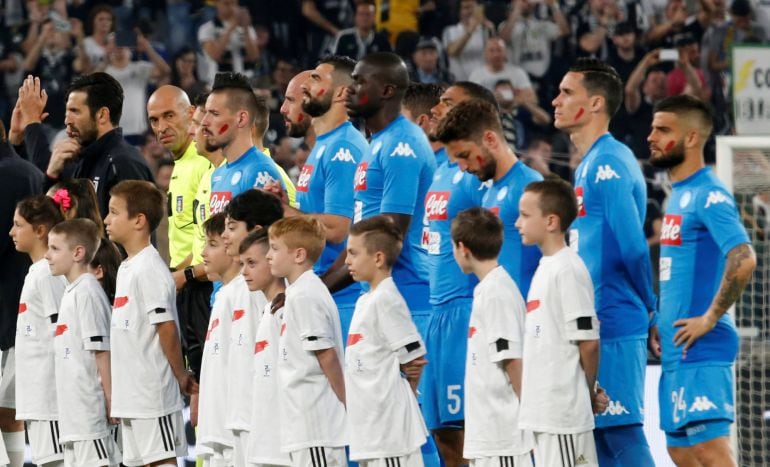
column 678, row 22
column 595, row 20
column 101, row 23
column 645, row 87
column 362, row 39
column 229, row 41
column 396, row 17
column 625, row 52
column 520, row 114
column 325, row 19
column 687, row 77
column 496, row 68
column 427, row 67
column 184, row 72
column 464, row 41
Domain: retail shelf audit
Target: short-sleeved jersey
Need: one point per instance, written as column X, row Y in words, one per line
column 451, row 192
column 201, row 213
column 246, row 310
column 143, row 384
column 313, row 414
column 82, row 330
column 608, row 235
column 212, row 402
column 36, row 383
column 383, row 414
column 700, row 227
column 394, row 177
column 502, row 198
column 265, row 436
column 291, row 190
column 495, row 334
column 554, row 391
column 325, row 186
column 252, row 170
column 186, row 177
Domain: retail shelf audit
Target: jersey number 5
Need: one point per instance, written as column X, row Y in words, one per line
column 455, row 402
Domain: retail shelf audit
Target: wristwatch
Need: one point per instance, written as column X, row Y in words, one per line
column 189, row 274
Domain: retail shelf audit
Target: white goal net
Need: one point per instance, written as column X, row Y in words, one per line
column 743, row 163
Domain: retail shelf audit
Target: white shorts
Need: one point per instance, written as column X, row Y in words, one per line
column 44, row 441
column 92, row 453
column 217, row 455
column 523, row 460
column 413, row 459
column 319, row 457
column 552, row 450
column 8, row 378
column 240, row 446
column 148, row 440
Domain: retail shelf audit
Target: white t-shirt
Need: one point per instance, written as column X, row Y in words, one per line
column 246, row 309
column 488, row 78
column 97, row 54
column 212, row 407
column 472, row 56
column 83, row 329
column 495, row 333
column 314, row 416
column 134, row 78
column 529, row 45
column 265, row 434
column 143, row 384
column 36, row 380
column 384, row 418
column 233, row 55
column 554, row 393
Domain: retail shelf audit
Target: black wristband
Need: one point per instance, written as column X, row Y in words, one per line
column 189, row 274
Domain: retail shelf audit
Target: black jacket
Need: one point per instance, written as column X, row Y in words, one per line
column 18, row 180
column 106, row 161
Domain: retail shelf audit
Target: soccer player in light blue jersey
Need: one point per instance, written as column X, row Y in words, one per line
column 706, row 260
column 608, row 236
column 325, row 184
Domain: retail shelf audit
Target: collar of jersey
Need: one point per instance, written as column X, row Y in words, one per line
column 103, row 145
column 395, row 121
column 77, row 281
column 242, row 159
column 189, row 153
column 598, row 140
column 301, row 278
column 692, row 178
column 329, row 133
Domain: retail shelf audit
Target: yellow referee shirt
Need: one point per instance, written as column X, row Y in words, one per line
column 185, row 180
column 291, row 190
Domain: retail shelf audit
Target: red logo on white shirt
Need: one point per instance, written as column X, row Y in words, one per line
column 304, row 178
column 533, row 305
column 260, row 346
column 283, row 328
column 60, row 329
column 120, row 302
column 238, row 314
column 219, row 200
column 671, row 232
column 359, row 182
column 579, row 196
column 22, row 308
column 471, row 332
column 214, row 324
column 495, row 210
column 436, row 205
column 354, row 339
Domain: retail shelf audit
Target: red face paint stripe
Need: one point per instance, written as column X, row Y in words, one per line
column 224, row 128
column 670, row 146
column 321, row 92
column 580, row 113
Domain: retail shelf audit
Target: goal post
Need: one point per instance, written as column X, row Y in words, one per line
column 743, row 165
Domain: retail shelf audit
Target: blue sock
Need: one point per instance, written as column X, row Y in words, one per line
column 620, row 446
column 430, row 455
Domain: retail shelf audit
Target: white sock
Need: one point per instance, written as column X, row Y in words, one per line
column 14, row 445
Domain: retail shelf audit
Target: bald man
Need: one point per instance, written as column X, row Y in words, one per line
column 170, row 114
column 297, row 121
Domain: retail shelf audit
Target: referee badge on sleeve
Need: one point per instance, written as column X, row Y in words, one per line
column 179, row 203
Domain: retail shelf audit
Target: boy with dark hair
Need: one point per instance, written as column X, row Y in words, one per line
column 383, row 342
column 493, row 362
column 146, row 352
column 312, row 392
column 559, row 391
column 82, row 348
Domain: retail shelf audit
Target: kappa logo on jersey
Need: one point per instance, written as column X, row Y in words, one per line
column 580, row 201
column 22, row 308
column 671, row 231
column 60, row 329
column 403, row 150
column 263, row 178
column 354, row 338
column 436, row 205
column 283, row 328
column 701, row 404
column 359, row 182
column 304, row 178
column 238, row 314
column 219, row 200
column 120, row 302
column 213, row 326
column 615, row 408
column 716, row 197
column 344, row 155
column 260, row 346
column 605, row 172
column 472, row 331
column 533, row 305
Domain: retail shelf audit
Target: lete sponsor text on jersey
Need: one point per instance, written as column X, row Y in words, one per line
column 671, row 231
column 360, row 178
column 219, row 200
column 436, row 203
column 303, row 181
column 580, row 201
